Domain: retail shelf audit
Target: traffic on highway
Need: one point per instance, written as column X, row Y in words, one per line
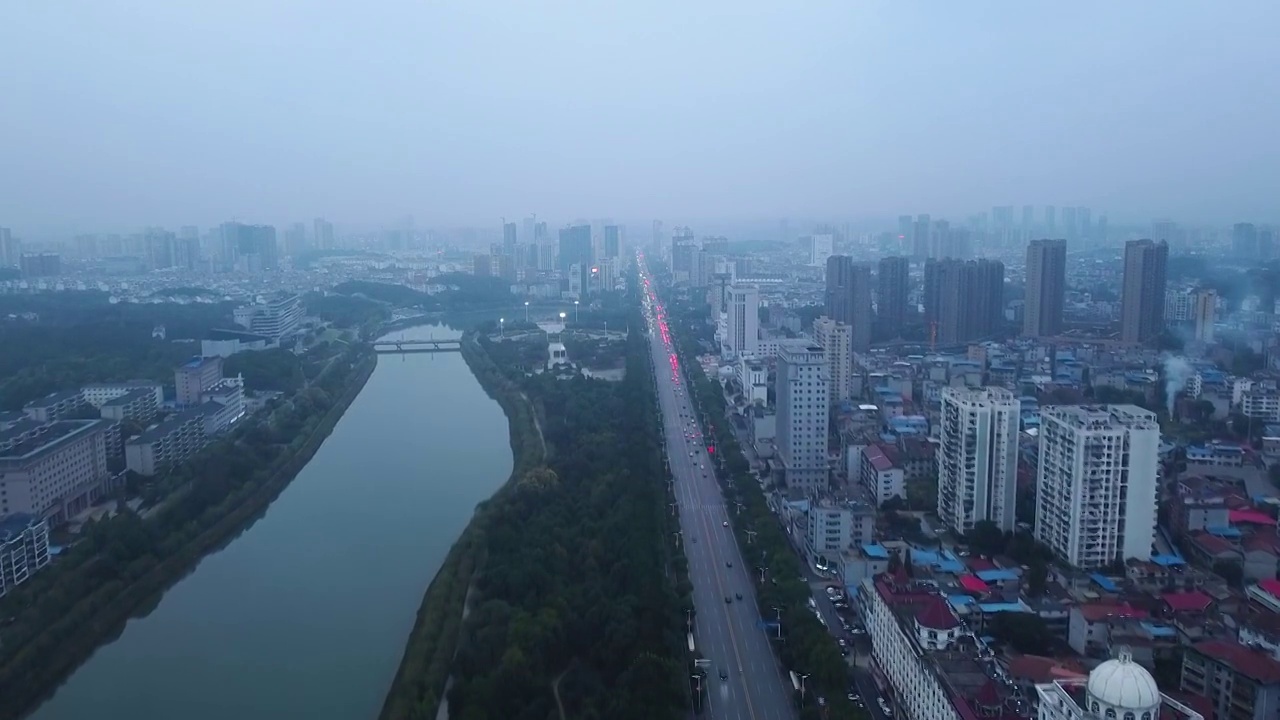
column 744, row 679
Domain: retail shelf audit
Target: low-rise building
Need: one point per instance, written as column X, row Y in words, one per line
column 55, row 406
column 52, row 470
column 173, row 440
column 99, row 393
column 827, row 530
column 223, row 405
column 938, row 668
column 24, row 549
column 138, row 405
column 1242, row 683
column 225, row 343
column 1118, row 689
column 196, row 376
column 276, row 317
column 882, row 477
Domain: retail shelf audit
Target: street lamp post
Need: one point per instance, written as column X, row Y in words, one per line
column 526, row 311
column 575, row 312
column 502, row 327
column 802, row 679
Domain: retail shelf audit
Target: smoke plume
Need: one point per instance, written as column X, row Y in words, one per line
column 1177, row 371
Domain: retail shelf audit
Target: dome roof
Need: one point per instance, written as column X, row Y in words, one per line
column 1124, row 684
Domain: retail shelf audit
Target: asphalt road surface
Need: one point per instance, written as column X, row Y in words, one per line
column 727, row 630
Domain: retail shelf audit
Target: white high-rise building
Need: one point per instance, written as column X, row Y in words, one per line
column 837, row 340
column 1098, row 481
column 978, row 457
column 803, row 414
column 743, row 336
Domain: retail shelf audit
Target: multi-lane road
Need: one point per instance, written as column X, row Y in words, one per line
column 744, row 680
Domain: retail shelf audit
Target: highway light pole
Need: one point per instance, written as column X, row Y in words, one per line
column 751, row 536
column 502, row 327
column 526, row 311
column 673, row 507
column 802, row 679
column 575, row 312
column 677, row 534
column 778, row 614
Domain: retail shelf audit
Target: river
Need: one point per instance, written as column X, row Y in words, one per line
column 307, row 612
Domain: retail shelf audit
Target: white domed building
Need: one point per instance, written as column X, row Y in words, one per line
column 1118, row 689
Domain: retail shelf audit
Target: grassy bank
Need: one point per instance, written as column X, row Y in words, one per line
column 119, row 589
column 419, row 684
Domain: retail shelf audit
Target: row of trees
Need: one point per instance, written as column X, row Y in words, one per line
column 575, row 593
column 807, row 647
column 122, row 564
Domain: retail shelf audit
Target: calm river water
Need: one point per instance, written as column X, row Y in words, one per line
column 306, row 614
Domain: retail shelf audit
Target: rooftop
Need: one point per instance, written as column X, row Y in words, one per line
column 132, row 395
column 44, row 437
column 55, row 398
column 1254, row 664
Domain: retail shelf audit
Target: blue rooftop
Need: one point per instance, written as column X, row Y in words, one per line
column 876, row 551
column 997, row 575
column 1104, row 582
column 1225, row 532
column 1167, row 560
column 960, row 600
column 197, row 361
column 1159, row 630
column 1001, row 607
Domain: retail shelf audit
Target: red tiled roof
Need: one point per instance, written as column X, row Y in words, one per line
column 974, row 583
column 1253, row 664
column 1270, row 585
column 1265, row 542
column 936, row 615
column 1093, row 612
column 877, row 458
column 1211, row 544
column 1041, row 669
column 1193, row 601
column 1250, row 517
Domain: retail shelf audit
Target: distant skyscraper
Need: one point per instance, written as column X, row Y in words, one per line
column 977, row 458
column 837, row 342
column 894, row 290
column 684, row 248
column 1084, row 222
column 1069, row 226
column 803, row 415
column 920, row 236
column 906, row 231
column 1142, row 302
column 657, row 236
column 1046, row 287
column 743, row 336
column 322, row 234
column 1050, row 219
column 1097, row 483
column 527, row 236
column 612, row 241
column 10, row 248
column 848, row 298
column 1028, row 218
column 964, row 300
column 820, row 248
column 1244, row 241
column 509, row 239
column 1206, row 314
column 483, row 266
column 295, row 240
column 575, row 252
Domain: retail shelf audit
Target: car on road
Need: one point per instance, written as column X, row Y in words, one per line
column 728, row 600
column 738, row 595
column 728, row 563
column 724, row 674
column 725, row 523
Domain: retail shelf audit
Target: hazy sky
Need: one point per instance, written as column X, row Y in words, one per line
column 118, row 114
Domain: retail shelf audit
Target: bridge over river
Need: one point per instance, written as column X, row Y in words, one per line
column 397, row 347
